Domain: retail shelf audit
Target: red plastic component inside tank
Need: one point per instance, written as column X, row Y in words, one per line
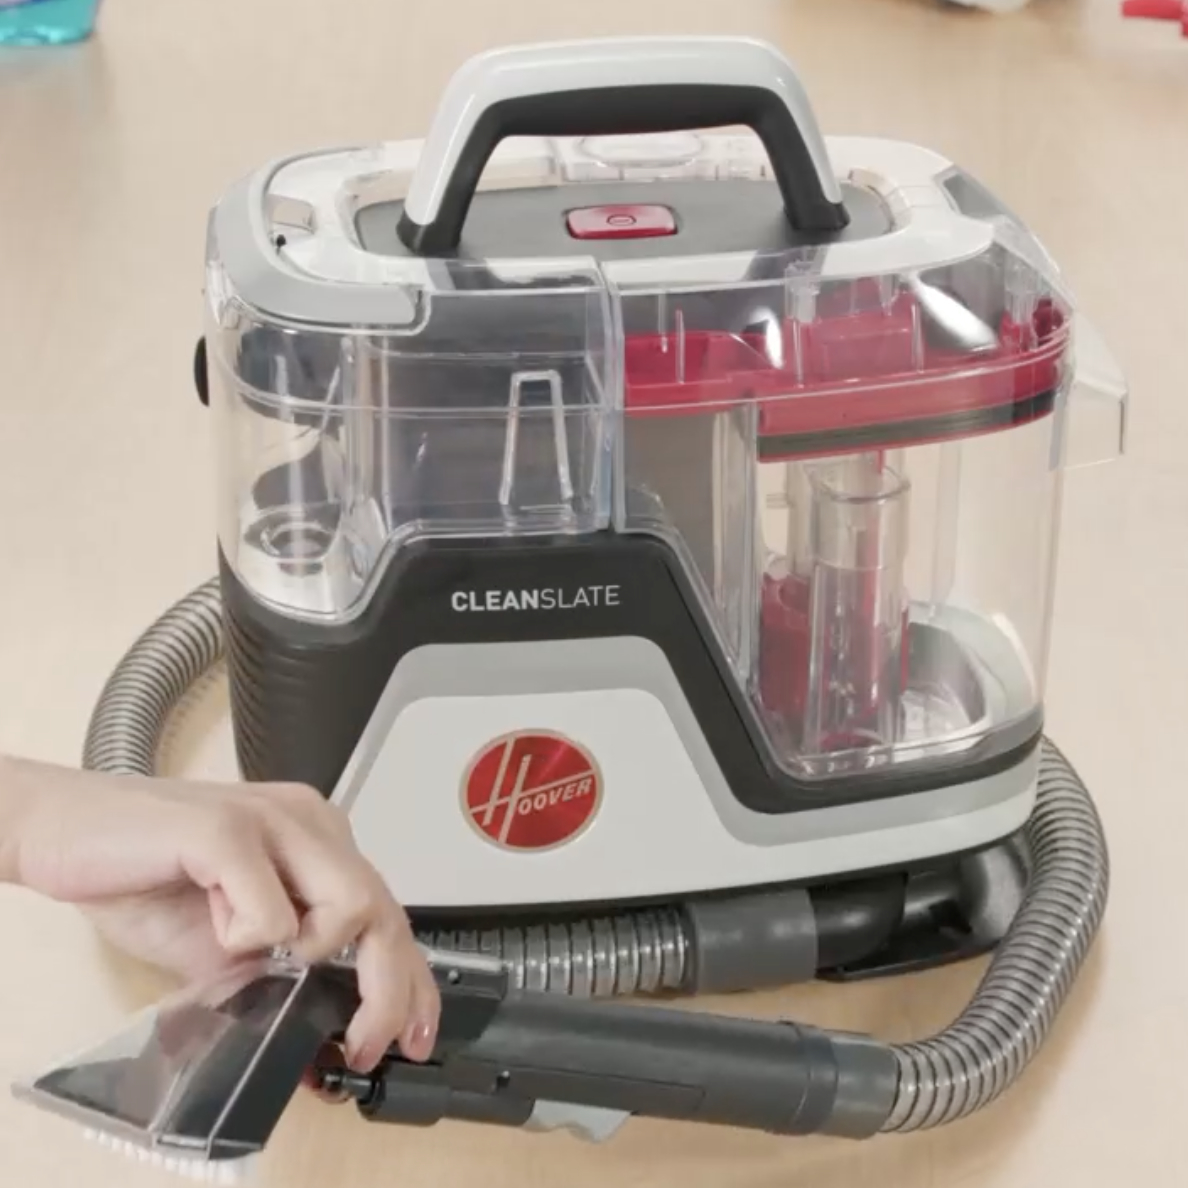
column 848, row 371
column 784, row 654
column 784, row 661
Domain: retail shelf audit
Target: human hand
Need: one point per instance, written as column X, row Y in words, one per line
column 195, row 877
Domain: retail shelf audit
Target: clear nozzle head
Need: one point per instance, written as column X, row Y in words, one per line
column 205, row 1075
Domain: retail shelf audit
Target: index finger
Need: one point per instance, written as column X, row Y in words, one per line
column 348, row 903
column 389, row 967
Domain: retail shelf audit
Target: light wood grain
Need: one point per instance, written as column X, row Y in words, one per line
column 110, row 156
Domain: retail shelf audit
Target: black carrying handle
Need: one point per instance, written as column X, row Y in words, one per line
column 618, row 87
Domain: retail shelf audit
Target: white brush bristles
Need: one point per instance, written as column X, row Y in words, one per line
column 230, row 1172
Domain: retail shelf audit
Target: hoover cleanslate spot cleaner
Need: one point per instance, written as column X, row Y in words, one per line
column 646, row 535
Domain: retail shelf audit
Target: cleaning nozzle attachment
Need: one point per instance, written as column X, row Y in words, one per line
column 204, row 1076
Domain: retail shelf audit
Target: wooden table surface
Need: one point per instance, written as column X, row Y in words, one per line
column 110, row 156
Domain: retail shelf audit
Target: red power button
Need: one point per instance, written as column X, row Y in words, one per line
column 620, row 222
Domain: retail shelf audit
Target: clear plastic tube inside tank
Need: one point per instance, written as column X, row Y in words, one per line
column 858, row 621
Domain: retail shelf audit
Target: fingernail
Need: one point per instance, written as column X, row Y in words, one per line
column 361, row 1057
column 355, row 1051
column 418, row 1041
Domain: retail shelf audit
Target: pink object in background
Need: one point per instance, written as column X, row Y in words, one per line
column 1159, row 10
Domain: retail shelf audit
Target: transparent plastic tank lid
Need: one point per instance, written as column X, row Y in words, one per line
column 324, row 195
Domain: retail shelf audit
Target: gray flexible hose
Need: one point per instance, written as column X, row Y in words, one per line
column 953, row 1074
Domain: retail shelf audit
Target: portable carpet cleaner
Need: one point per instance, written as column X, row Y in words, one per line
column 646, row 535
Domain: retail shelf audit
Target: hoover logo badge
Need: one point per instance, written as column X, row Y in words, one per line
column 531, row 790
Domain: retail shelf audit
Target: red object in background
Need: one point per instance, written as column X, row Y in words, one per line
column 1158, row 10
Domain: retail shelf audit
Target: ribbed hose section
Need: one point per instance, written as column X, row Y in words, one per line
column 133, row 710
column 985, row 1050
column 641, row 952
column 941, row 1079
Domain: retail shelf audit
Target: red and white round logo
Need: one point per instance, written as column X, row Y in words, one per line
column 531, row 790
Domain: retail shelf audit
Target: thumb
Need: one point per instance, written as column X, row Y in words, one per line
column 250, row 909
